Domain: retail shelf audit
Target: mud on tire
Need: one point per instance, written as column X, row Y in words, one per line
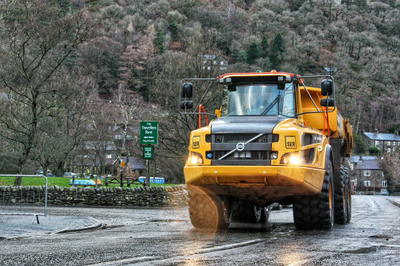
column 208, row 211
column 316, row 212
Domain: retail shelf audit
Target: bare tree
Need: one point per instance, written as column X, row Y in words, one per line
column 130, row 108
column 61, row 131
column 174, row 128
column 391, row 167
column 101, row 59
column 134, row 60
column 98, row 141
column 35, row 42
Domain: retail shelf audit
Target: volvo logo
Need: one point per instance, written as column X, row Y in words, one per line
column 240, row 146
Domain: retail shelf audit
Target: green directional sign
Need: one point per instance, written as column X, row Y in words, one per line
column 148, row 152
column 149, row 132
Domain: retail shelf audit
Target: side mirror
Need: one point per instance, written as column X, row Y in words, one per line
column 186, row 105
column 187, row 90
column 327, row 87
column 327, row 102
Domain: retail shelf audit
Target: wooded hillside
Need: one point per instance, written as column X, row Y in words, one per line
column 68, row 67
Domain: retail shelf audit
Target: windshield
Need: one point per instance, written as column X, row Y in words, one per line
column 261, row 99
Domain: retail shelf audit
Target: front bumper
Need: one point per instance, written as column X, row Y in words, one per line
column 255, row 182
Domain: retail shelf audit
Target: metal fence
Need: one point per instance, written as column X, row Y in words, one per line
column 29, row 197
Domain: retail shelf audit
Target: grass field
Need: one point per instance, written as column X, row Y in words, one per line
column 59, row 181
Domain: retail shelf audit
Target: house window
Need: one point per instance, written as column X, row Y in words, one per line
column 384, row 183
column 351, row 166
column 367, row 173
column 367, row 183
column 389, row 149
column 118, row 136
column 376, row 142
column 388, row 143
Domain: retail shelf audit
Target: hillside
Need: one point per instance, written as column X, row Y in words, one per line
column 80, row 68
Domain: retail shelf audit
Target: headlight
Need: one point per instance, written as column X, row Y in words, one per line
column 294, row 159
column 196, row 158
column 290, row 158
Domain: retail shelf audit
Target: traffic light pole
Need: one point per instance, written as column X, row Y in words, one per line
column 148, row 173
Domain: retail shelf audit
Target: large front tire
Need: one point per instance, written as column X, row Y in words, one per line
column 208, row 211
column 316, row 212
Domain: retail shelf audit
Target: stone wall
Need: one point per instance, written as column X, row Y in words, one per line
column 103, row 196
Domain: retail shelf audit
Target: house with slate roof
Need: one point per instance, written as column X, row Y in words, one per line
column 369, row 176
column 386, row 142
column 214, row 60
column 137, row 166
column 354, row 160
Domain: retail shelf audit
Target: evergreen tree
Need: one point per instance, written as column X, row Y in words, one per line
column 253, row 53
column 279, row 44
column 374, row 151
column 159, row 40
column 173, row 28
column 359, row 145
column 276, row 56
column 264, row 47
column 241, row 57
column 394, row 128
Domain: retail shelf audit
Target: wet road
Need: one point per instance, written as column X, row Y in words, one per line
column 166, row 237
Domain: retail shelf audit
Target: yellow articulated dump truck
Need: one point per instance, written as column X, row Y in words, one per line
column 273, row 140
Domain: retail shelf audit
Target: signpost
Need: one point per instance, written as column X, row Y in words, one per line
column 149, row 132
column 148, row 152
column 148, row 136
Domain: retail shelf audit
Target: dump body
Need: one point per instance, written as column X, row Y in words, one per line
column 271, row 141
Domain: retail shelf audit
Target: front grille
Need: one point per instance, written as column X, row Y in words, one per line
column 257, row 152
column 244, row 155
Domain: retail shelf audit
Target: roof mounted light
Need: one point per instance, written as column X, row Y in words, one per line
column 225, row 80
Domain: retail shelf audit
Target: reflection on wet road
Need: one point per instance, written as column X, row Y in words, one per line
column 166, row 237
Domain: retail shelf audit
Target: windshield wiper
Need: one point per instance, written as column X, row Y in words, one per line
column 269, row 107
